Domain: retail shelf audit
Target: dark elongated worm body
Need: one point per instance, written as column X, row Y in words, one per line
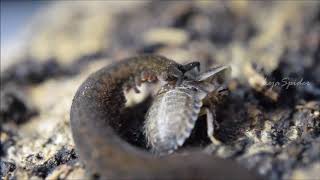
column 99, row 102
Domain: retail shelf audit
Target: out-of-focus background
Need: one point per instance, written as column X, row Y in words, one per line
column 15, row 16
column 269, row 122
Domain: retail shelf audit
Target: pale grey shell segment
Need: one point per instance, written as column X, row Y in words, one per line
column 172, row 117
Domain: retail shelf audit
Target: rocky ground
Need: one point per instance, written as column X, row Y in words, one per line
column 269, row 122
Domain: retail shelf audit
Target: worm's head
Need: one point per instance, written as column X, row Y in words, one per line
column 176, row 73
column 190, row 67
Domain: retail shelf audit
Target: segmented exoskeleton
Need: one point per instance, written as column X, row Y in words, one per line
column 176, row 108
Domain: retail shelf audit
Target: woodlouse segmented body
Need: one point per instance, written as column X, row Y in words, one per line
column 173, row 114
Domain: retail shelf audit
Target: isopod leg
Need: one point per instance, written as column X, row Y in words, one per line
column 222, row 90
column 211, row 119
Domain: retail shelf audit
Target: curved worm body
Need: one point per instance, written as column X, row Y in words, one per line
column 98, row 104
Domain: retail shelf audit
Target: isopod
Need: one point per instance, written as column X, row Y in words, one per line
column 176, row 107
